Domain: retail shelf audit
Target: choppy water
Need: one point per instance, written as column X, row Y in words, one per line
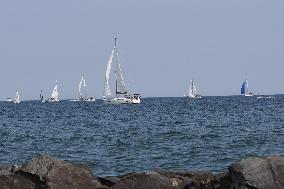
column 161, row 133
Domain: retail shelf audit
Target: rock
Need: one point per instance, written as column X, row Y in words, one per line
column 147, row 180
column 13, row 181
column 187, row 180
column 258, row 173
column 58, row 174
column 166, row 180
column 5, row 170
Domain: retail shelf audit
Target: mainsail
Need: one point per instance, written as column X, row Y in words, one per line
column 82, row 87
column 120, row 85
column 17, row 98
column 192, row 89
column 244, row 89
column 55, row 95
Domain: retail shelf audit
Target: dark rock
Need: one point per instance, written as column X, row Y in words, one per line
column 166, row 180
column 58, row 174
column 13, row 181
column 5, row 170
column 258, row 173
column 196, row 179
column 147, row 180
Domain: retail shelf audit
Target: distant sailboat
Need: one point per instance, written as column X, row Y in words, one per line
column 245, row 89
column 192, row 92
column 41, row 96
column 55, row 95
column 83, row 91
column 17, row 98
column 121, row 94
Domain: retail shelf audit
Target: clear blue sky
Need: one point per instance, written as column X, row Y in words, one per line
column 163, row 44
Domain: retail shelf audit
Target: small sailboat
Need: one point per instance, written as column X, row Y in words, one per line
column 245, row 89
column 121, row 94
column 55, row 95
column 83, row 91
column 41, row 96
column 17, row 98
column 192, row 92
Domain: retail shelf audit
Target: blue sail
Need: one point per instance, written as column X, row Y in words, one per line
column 243, row 89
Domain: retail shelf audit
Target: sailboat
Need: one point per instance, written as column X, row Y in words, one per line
column 83, row 91
column 192, row 92
column 245, row 89
column 41, row 96
column 121, row 94
column 55, row 95
column 17, row 98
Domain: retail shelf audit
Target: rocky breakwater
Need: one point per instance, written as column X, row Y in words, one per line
column 45, row 172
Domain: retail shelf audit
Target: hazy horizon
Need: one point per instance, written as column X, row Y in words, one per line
column 163, row 44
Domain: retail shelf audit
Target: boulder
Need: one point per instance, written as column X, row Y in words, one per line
column 9, row 180
column 258, row 173
column 58, row 174
column 13, row 181
column 166, row 180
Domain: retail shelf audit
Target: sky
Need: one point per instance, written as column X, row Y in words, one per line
column 163, row 44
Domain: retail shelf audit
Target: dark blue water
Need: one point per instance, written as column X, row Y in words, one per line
column 161, row 133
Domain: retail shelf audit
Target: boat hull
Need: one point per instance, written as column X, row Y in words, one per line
column 88, row 100
column 122, row 101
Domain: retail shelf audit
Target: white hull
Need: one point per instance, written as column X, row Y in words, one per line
column 248, row 95
column 9, row 100
column 122, row 101
column 260, row 97
column 198, row 96
column 83, row 100
column 53, row 100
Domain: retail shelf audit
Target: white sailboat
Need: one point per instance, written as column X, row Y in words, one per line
column 17, row 98
column 121, row 94
column 245, row 89
column 83, row 91
column 192, row 92
column 55, row 95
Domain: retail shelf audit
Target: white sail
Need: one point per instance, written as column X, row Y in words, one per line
column 17, row 98
column 107, row 92
column 120, row 85
column 55, row 94
column 82, row 87
column 194, row 91
column 190, row 89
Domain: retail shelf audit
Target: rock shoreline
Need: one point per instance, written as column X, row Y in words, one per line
column 46, row 172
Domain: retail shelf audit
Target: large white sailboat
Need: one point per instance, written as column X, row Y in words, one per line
column 17, row 98
column 55, row 95
column 192, row 92
column 83, row 91
column 121, row 94
column 245, row 89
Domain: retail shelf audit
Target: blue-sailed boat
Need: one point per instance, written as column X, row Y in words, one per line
column 245, row 89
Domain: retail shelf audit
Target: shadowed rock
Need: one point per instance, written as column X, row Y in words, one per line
column 58, row 174
column 258, row 173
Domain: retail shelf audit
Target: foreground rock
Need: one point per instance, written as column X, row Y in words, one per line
column 261, row 173
column 45, row 172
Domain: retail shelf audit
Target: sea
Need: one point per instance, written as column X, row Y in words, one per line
column 177, row 134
